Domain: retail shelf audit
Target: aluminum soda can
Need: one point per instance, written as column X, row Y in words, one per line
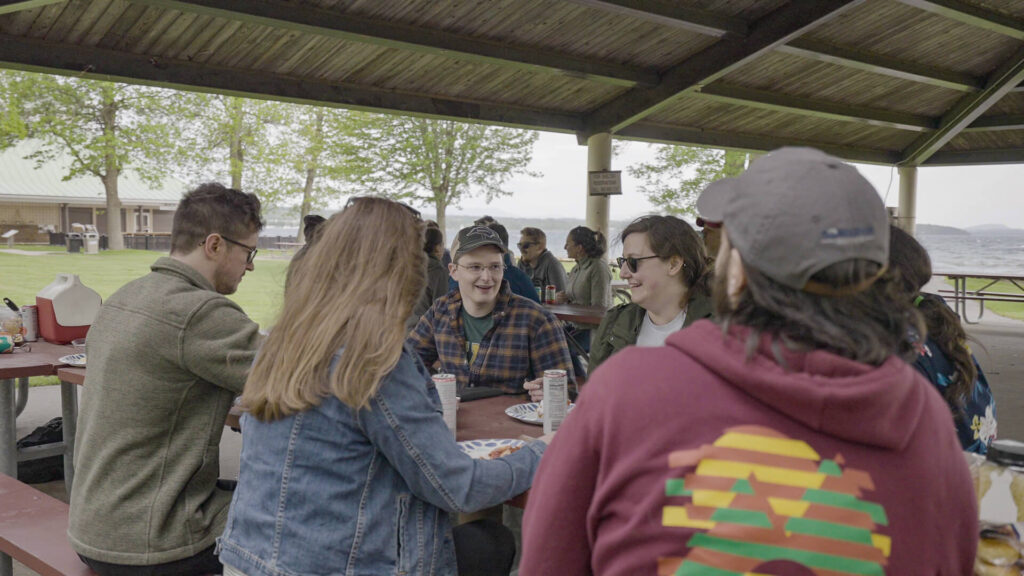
column 30, row 322
column 549, row 294
column 540, row 293
column 446, row 388
column 556, row 399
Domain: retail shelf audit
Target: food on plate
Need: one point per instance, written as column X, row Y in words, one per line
column 503, row 451
column 540, row 408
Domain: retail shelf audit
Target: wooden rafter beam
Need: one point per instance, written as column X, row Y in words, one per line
column 967, row 110
column 975, row 157
column 726, row 55
column 972, row 15
column 815, row 108
column 101, row 64
column 11, row 6
column 674, row 14
column 825, row 52
column 335, row 24
column 700, row 137
column 997, row 123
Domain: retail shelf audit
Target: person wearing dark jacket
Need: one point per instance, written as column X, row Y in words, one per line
column 789, row 437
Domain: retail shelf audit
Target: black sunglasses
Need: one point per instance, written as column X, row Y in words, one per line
column 526, row 245
column 632, row 262
column 252, row 251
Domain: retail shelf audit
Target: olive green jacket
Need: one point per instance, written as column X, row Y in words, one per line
column 167, row 355
column 621, row 326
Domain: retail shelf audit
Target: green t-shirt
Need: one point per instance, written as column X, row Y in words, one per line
column 475, row 328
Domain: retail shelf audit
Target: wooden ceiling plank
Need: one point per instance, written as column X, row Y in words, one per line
column 726, row 55
column 972, row 15
column 997, row 123
column 12, row 6
column 809, row 107
column 967, row 110
column 102, row 64
column 711, row 138
column 673, row 14
column 975, row 157
column 876, row 63
column 278, row 14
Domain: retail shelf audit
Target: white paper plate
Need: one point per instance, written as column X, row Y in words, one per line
column 73, row 359
column 479, row 449
column 528, row 412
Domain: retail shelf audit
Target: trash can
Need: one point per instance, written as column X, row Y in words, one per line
column 92, row 243
column 104, row 242
column 74, row 242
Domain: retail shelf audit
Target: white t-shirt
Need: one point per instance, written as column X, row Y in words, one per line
column 654, row 335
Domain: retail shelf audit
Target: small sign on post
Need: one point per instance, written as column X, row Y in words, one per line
column 604, row 182
column 9, row 236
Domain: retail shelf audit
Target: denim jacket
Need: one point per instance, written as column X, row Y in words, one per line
column 332, row 490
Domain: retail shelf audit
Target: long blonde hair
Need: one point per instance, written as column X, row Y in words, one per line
column 354, row 289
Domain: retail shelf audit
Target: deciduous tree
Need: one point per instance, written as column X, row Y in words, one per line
column 677, row 175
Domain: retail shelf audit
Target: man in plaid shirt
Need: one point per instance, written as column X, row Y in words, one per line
column 482, row 333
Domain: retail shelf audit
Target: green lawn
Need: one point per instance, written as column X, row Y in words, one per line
column 1007, row 309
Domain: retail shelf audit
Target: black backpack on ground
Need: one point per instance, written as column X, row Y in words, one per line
column 44, row 469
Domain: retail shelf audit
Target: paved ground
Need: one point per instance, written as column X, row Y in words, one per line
column 998, row 344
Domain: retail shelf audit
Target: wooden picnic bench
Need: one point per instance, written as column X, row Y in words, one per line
column 34, row 530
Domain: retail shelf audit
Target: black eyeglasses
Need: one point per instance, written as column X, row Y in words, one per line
column 252, row 251
column 526, row 245
column 632, row 262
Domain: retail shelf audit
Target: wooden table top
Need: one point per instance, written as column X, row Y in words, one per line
column 577, row 313
column 41, row 360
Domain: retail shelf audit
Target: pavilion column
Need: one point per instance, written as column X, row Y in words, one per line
column 599, row 157
column 907, row 215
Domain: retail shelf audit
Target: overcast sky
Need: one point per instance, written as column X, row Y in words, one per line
column 954, row 196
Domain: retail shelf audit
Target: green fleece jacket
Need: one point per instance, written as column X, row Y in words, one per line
column 166, row 356
column 621, row 326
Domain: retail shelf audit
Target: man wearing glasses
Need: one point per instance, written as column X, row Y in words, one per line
column 540, row 264
column 482, row 333
column 168, row 353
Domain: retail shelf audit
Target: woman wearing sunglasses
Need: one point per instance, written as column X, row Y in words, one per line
column 347, row 465
column 664, row 262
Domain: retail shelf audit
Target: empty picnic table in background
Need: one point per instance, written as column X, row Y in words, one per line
column 961, row 294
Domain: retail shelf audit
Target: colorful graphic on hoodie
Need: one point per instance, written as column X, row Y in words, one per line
column 771, row 505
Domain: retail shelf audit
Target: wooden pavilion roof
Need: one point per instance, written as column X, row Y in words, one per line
column 910, row 82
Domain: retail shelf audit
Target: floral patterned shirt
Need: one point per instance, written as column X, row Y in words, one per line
column 976, row 420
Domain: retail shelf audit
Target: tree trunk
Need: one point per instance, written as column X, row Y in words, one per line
column 115, row 238
column 237, row 154
column 440, row 206
column 307, row 200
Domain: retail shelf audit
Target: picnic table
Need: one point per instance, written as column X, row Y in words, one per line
column 577, row 313
column 961, row 294
column 43, row 359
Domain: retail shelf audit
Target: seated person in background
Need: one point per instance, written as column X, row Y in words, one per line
column 482, row 333
column 539, row 264
column 437, row 274
column 590, row 281
column 446, row 257
column 310, row 231
column 168, row 353
column 349, row 427
column 790, row 438
column 665, row 264
column 944, row 358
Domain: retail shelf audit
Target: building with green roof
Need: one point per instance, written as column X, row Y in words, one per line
column 35, row 200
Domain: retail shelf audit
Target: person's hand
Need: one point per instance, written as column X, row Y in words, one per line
column 547, row 438
column 535, row 388
column 561, row 298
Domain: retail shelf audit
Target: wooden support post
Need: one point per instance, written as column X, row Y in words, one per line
column 599, row 157
column 907, row 217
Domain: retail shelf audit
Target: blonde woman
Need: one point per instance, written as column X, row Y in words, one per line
column 347, row 466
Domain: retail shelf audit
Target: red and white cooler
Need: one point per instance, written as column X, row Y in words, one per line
column 66, row 309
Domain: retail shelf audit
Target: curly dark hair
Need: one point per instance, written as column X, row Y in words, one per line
column 912, row 266
column 593, row 242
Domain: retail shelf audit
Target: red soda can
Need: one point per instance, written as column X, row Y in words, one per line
column 549, row 294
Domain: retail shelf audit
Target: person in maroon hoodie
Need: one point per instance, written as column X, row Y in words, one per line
column 789, row 437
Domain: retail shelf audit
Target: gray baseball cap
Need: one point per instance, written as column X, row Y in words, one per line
column 473, row 237
column 796, row 211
